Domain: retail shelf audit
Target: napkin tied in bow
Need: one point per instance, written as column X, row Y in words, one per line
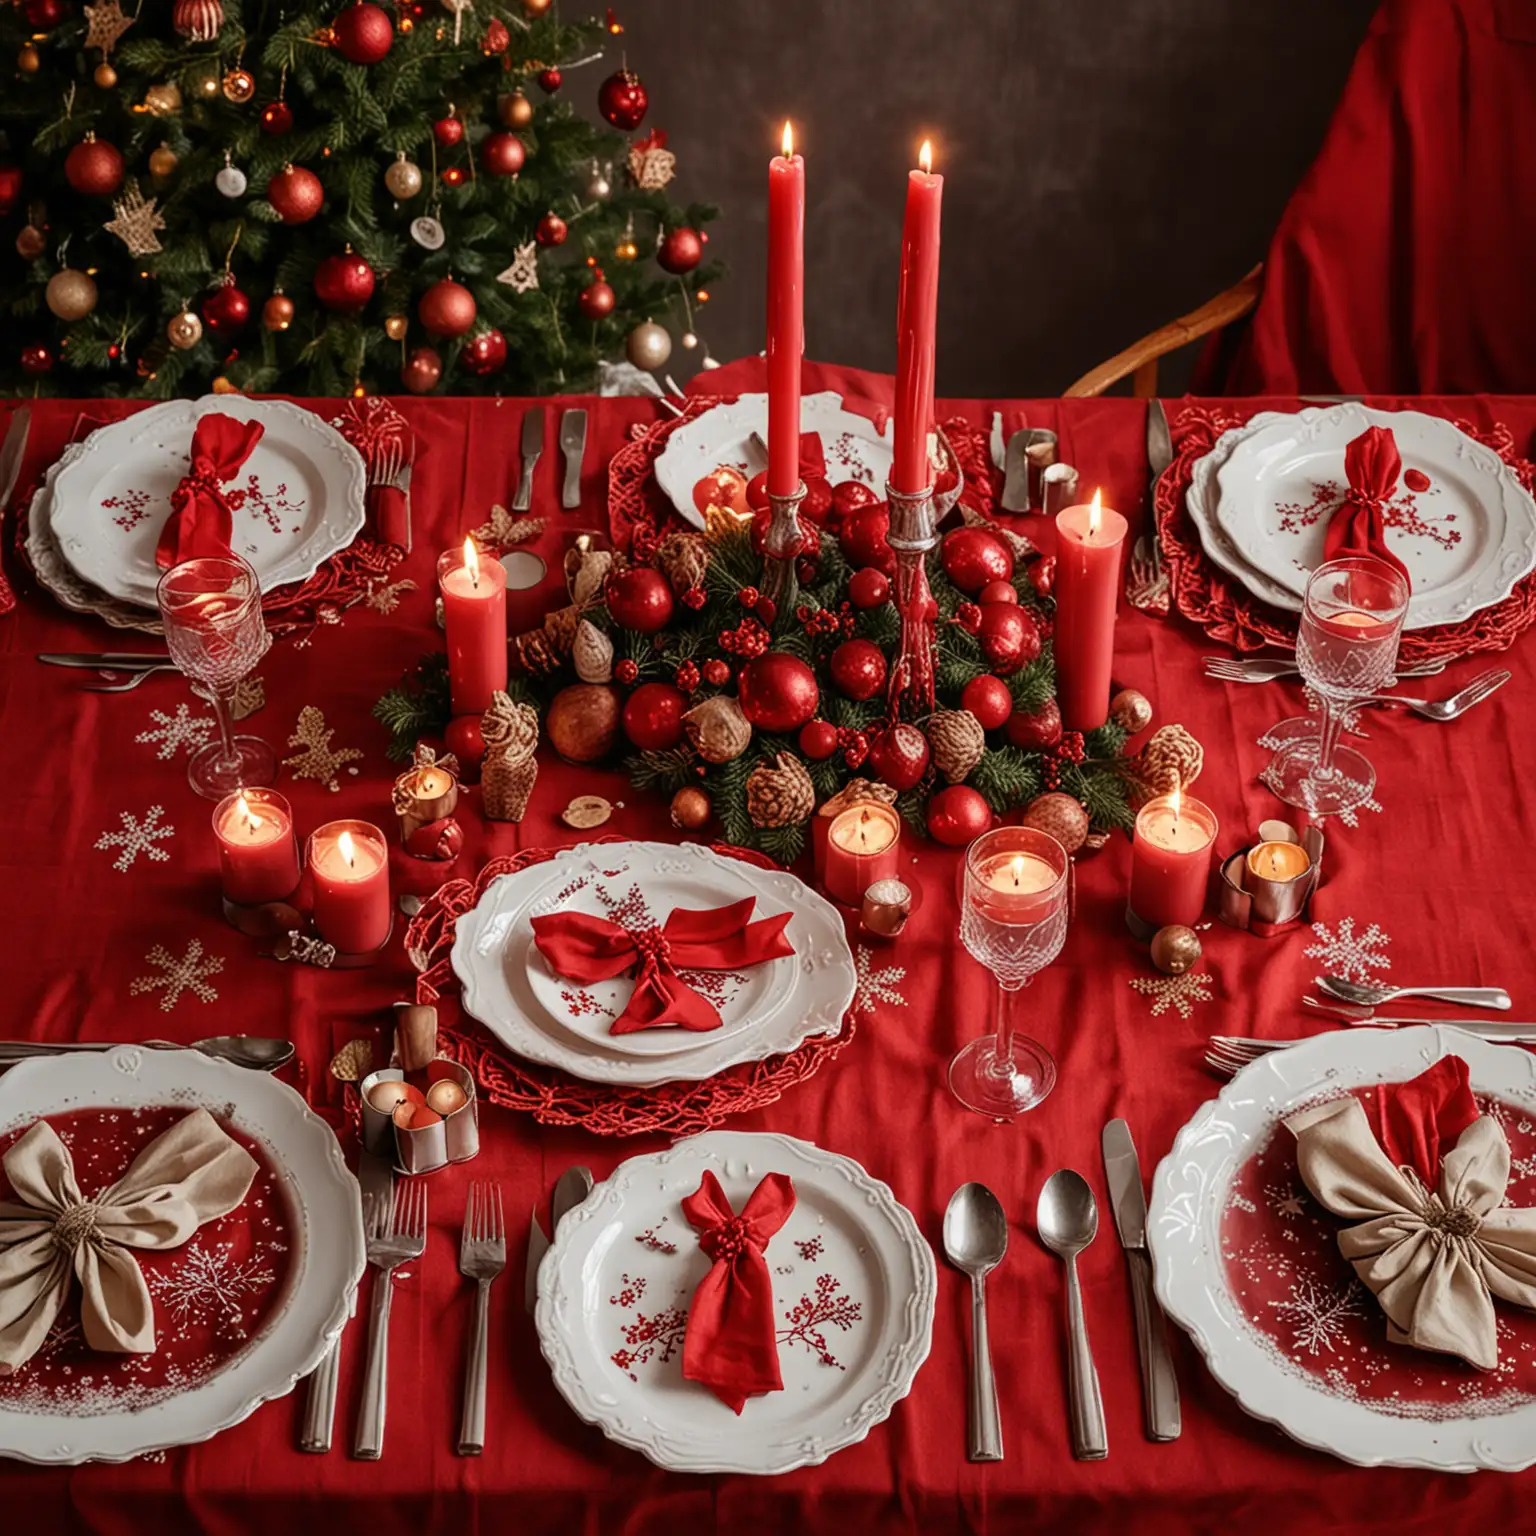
column 49, row 1231
column 1434, row 1251
column 587, row 949
column 201, row 523
column 1359, row 527
column 730, row 1344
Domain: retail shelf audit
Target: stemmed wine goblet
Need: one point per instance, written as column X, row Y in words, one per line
column 211, row 609
column 1013, row 919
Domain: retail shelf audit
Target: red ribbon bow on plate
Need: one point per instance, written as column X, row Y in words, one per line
column 588, row 949
column 730, row 1345
column 200, row 523
column 1359, row 527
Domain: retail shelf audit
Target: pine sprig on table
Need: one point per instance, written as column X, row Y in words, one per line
column 664, row 771
column 1007, row 777
column 417, row 707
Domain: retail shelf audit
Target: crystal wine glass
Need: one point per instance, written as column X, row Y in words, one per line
column 1351, row 621
column 1013, row 918
column 211, row 608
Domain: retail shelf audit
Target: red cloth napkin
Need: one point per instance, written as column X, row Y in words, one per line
column 1359, row 527
column 1413, row 1120
column 589, row 949
column 200, row 523
column 730, row 1345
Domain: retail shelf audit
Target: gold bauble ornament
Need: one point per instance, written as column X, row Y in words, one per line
column 515, row 111
column 1060, row 816
column 536, row 7
column 649, row 346
column 277, row 312
column 184, row 331
column 28, row 60
column 222, row 386
column 582, row 722
column 1131, row 710
column 163, row 100
column 690, row 808
column 239, row 86
column 71, row 294
column 1175, row 949
column 626, row 249
column 395, row 327
column 403, row 178
column 162, row 161
column 31, row 243
column 105, row 76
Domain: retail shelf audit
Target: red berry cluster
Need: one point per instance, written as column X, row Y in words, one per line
column 747, row 640
column 823, row 621
column 626, row 671
column 855, row 746
column 687, row 677
column 693, row 598
column 1070, row 749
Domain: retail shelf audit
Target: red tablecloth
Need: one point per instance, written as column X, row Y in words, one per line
column 1441, row 868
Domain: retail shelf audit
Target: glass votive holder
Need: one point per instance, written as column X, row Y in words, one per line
column 349, row 870
column 258, row 851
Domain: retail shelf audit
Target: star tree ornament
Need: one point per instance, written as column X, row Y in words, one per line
column 523, row 275
column 136, row 222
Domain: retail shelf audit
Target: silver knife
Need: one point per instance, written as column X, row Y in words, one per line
column 533, row 446
column 573, row 444
column 1016, row 473
column 13, row 452
column 119, row 661
column 538, row 1246
column 571, row 1188
column 1128, row 1200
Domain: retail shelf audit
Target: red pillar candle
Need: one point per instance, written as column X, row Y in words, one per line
column 474, row 594
column 1088, row 544
column 863, row 846
column 258, row 853
column 349, row 867
column 786, row 315
column 916, row 327
column 1171, row 860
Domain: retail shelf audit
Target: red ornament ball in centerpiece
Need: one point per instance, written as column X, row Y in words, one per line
column 777, row 692
column 639, row 599
column 1042, row 575
column 958, row 815
column 502, row 154
column 465, row 739
column 972, row 557
column 344, row 284
column 226, row 310
column 1009, row 637
column 93, row 167
column 989, row 700
column 296, row 194
column 622, row 100
column 653, row 716
column 818, row 499
column 849, row 496
column 447, row 309
column 681, row 250
column 484, row 354
column 899, row 756
column 423, row 368
column 869, row 588
column 364, row 33
column 818, row 739
column 863, row 535
column 1037, row 732
column 997, row 592
column 858, row 669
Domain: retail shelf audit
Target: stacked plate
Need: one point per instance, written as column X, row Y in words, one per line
column 765, row 1010
column 96, row 519
column 1460, row 520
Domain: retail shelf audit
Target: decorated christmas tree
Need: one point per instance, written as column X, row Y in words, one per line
column 321, row 199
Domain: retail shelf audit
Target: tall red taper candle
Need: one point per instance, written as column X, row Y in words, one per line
column 1088, row 542
column 474, row 592
column 786, row 315
column 916, row 326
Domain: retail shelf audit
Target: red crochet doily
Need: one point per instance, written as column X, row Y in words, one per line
column 672, row 1109
column 1230, row 613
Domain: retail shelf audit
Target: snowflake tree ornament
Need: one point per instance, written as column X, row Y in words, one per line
column 1348, row 954
column 170, row 733
column 138, row 834
column 172, row 977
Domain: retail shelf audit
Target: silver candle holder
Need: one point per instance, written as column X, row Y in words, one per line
column 1266, row 886
column 782, row 544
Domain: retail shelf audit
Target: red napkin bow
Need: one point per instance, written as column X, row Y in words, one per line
column 1359, row 527
column 588, row 949
column 730, row 1344
column 1414, row 1120
column 200, row 523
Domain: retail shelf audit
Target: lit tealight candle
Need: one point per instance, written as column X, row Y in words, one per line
column 445, row 1096
column 1170, row 862
column 258, row 853
column 1278, row 861
column 387, row 1096
column 349, row 861
column 1018, row 887
column 862, row 847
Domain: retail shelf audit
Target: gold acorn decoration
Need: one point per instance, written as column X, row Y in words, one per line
column 782, row 795
column 958, row 741
column 718, row 729
column 1131, row 710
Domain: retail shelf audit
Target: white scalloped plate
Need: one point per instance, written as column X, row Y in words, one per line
column 849, row 1269
column 325, row 1255
column 1189, row 1194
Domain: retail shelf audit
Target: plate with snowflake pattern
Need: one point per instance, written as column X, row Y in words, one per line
column 1248, row 1263
column 243, row 1309
column 535, row 1014
column 853, row 1298
column 295, row 502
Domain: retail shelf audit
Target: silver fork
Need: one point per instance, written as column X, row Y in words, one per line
column 1458, row 703
column 482, row 1256
column 132, row 683
column 397, row 1231
column 1266, row 669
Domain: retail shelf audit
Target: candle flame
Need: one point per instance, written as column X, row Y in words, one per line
column 789, row 140
column 252, row 820
column 344, row 846
column 1177, row 798
column 472, row 561
column 1016, row 869
column 925, row 157
column 1096, row 511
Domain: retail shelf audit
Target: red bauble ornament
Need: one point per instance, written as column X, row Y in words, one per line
column 296, row 194
column 364, row 33
column 653, row 716
column 777, row 692
column 681, row 250
column 484, row 354
column 862, row 536
column 848, row 497
column 550, row 80
column 94, row 167
column 1037, row 732
column 276, row 118
column 622, row 99
column 550, row 230
column 972, row 557
column 226, row 310
column 899, row 756
column 1009, row 637
column 858, row 669
column 1042, row 575
column 757, row 491
column 45, row 15
column 639, row 599
column 198, row 21
column 869, row 588
column 998, row 592
column 818, row 740
column 423, row 368
column 502, row 154
column 466, row 741
column 597, row 300
column 344, row 284
column 958, row 815
column 497, row 39
column 10, row 188
column 447, row 308
column 448, row 131
column 36, row 360
column 717, row 672
column 818, row 499
column 989, row 700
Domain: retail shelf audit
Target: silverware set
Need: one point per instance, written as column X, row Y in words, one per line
column 482, row 1256
column 396, row 1226
column 120, row 671
column 261, row 1053
column 1269, row 669
column 573, row 446
column 1146, row 582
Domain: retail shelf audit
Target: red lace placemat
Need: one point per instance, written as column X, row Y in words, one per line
column 553, row 1097
column 1228, row 612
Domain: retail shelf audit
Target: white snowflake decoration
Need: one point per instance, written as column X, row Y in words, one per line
column 1351, row 817
column 170, row 733
column 1348, row 954
column 209, row 1287
column 138, row 834
column 172, row 977
column 1178, row 992
column 874, row 986
column 1316, row 1313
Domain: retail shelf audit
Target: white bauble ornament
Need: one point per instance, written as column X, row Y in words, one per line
column 231, row 181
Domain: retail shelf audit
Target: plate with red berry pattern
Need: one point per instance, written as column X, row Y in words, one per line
column 1247, row 1262
column 243, row 1309
column 853, row 1298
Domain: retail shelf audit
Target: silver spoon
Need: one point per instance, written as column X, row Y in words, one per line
column 1371, row 994
column 1068, row 1220
column 261, row 1053
column 975, row 1240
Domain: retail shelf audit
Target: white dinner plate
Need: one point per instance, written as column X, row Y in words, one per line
column 853, row 1298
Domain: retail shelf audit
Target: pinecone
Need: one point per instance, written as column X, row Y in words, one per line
column 592, row 653
column 560, row 628
column 511, row 732
column 1172, row 759
column 782, row 795
column 958, row 740
column 585, row 572
column 683, row 558
column 718, row 729
column 535, row 655
column 856, row 790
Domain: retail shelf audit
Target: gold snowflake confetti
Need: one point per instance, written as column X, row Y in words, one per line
column 523, row 275
column 318, row 760
column 250, row 695
column 384, row 597
column 1181, row 992
column 174, row 975
column 136, row 222
column 504, row 530
column 105, row 23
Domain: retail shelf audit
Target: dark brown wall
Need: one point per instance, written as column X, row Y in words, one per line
column 1108, row 163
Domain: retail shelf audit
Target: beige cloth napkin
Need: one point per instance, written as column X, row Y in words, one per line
column 189, row 1174
column 1434, row 1259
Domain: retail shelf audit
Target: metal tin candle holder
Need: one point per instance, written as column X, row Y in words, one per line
column 1040, row 446
column 1264, row 889
column 914, row 530
column 450, row 1138
column 425, row 797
